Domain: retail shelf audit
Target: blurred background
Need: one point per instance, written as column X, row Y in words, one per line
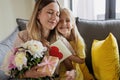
column 84, row 9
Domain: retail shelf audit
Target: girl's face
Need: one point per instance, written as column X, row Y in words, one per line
column 65, row 24
column 49, row 16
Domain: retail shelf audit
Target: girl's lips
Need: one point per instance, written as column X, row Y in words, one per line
column 63, row 27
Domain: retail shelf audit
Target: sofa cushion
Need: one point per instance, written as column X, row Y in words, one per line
column 7, row 44
column 93, row 29
column 105, row 58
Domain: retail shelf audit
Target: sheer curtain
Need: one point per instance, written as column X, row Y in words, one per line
column 83, row 8
column 117, row 9
column 89, row 9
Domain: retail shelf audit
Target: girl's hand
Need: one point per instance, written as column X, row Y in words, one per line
column 33, row 73
column 76, row 59
column 70, row 75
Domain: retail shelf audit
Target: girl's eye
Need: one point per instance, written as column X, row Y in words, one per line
column 67, row 20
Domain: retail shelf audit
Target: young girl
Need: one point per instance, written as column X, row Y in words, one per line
column 67, row 28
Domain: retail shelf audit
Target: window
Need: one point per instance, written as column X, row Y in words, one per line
column 117, row 9
column 89, row 9
column 96, row 9
column 99, row 9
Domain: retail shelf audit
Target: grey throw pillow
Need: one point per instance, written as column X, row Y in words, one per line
column 21, row 23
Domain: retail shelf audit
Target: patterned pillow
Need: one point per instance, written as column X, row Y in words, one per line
column 105, row 58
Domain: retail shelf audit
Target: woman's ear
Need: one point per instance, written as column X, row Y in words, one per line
column 38, row 14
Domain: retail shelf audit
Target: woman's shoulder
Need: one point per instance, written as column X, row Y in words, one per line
column 23, row 35
column 22, row 32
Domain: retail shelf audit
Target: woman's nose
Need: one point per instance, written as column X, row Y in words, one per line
column 54, row 16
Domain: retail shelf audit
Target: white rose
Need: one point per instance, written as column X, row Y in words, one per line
column 35, row 48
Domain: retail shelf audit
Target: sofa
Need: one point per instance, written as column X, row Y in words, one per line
column 89, row 30
column 92, row 30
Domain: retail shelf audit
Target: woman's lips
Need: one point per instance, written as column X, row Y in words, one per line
column 52, row 22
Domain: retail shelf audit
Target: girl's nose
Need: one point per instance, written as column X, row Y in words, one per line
column 64, row 22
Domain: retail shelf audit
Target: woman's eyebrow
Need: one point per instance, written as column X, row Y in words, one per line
column 52, row 10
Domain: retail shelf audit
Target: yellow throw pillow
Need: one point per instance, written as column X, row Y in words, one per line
column 105, row 58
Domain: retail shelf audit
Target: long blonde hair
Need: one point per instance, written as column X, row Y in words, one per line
column 34, row 27
column 74, row 32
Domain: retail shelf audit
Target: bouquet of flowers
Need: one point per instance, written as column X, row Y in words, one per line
column 32, row 53
column 26, row 56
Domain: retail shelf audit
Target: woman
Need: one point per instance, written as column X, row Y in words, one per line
column 43, row 20
column 40, row 27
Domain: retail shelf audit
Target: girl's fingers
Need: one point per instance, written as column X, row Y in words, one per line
column 70, row 75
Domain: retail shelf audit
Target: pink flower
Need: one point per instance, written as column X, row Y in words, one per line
column 11, row 62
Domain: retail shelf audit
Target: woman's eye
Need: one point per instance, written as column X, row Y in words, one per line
column 58, row 14
column 60, row 20
column 50, row 12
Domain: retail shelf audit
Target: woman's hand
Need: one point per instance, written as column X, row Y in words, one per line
column 70, row 75
column 33, row 73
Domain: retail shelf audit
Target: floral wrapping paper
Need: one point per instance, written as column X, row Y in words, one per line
column 48, row 65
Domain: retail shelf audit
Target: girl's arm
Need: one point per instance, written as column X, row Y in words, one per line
column 76, row 59
column 68, row 64
column 70, row 71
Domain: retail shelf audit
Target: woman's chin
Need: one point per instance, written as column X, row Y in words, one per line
column 52, row 27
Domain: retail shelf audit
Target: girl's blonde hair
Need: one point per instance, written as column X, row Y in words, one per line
column 34, row 27
column 74, row 32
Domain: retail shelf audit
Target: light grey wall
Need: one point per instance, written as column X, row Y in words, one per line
column 64, row 3
column 12, row 9
column 9, row 11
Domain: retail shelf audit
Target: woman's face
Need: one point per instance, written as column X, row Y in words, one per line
column 49, row 16
column 65, row 24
